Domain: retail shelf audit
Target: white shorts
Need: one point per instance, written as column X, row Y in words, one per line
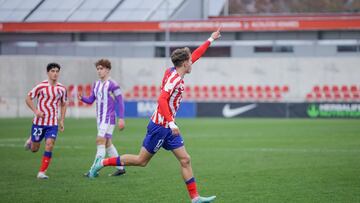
column 105, row 130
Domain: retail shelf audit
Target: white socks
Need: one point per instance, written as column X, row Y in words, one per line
column 112, row 152
column 100, row 152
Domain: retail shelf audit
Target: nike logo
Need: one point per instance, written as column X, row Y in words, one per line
column 228, row 113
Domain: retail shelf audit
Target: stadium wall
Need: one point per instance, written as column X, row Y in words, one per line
column 21, row 73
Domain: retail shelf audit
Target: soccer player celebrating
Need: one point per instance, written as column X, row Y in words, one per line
column 49, row 94
column 162, row 130
column 109, row 102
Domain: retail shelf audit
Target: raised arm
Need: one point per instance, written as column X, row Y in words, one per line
column 202, row 48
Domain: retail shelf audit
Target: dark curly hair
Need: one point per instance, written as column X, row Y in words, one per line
column 51, row 66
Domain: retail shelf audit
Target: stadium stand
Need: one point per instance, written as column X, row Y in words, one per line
column 216, row 92
column 331, row 93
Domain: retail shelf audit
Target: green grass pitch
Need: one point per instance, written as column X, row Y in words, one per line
column 239, row 160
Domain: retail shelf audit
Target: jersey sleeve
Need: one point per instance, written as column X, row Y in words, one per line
column 119, row 101
column 64, row 97
column 35, row 91
column 171, row 82
column 91, row 98
column 163, row 105
column 200, row 51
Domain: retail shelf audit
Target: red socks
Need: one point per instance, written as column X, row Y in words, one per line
column 45, row 161
column 113, row 161
column 191, row 187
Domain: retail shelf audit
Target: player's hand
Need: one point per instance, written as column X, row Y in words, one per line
column 216, row 35
column 174, row 129
column 39, row 114
column 79, row 95
column 121, row 124
column 61, row 125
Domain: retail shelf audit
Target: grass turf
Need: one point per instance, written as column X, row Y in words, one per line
column 239, row 160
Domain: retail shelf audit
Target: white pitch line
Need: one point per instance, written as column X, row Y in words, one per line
column 22, row 146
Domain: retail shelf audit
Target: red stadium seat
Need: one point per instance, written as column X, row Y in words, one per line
column 214, row 88
column 354, row 88
column 285, row 88
column 267, row 89
column 197, row 96
column 240, row 88
column 188, row 95
column 326, row 89
column 356, row 96
column 316, row 89
column 269, row 96
column 328, row 96
column 153, row 88
column 276, row 88
column 136, row 88
column 278, row 96
column 153, row 95
column 250, row 95
column 214, row 92
column 318, row 96
column 127, row 95
column 223, row 88
column 231, row 88
column 196, row 89
column 346, row 96
column 145, row 95
column 205, row 89
column 233, row 95
column 249, row 88
column 242, row 96
column 258, row 89
column 344, row 88
column 206, row 95
column 335, row 88
column 136, row 95
column 259, row 96
column 309, row 96
column 144, row 88
column 337, row 96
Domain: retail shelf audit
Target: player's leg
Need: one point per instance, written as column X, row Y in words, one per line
column 28, row 143
column 50, row 137
column 112, row 152
column 100, row 144
column 152, row 142
column 124, row 160
column 46, row 159
column 35, row 138
column 188, row 176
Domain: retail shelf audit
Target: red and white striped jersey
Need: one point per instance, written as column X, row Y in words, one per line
column 172, row 88
column 48, row 98
column 173, row 84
